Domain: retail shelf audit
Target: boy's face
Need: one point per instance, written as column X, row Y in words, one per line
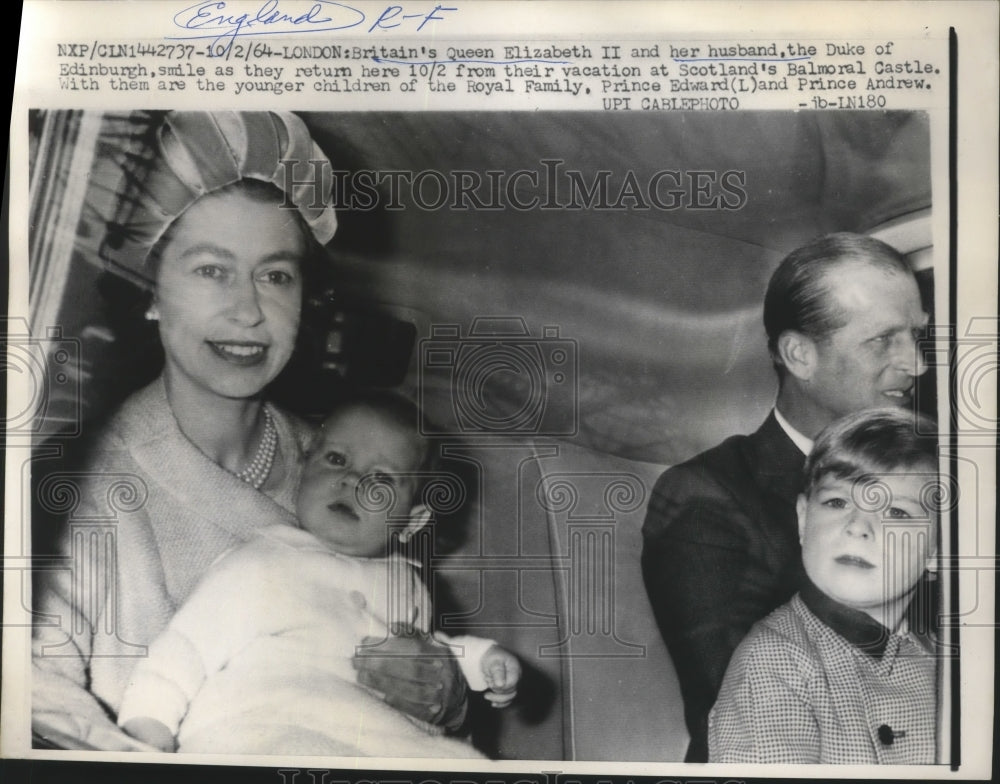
column 355, row 447
column 865, row 543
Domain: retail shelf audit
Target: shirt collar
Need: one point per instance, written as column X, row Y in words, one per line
column 858, row 628
column 804, row 444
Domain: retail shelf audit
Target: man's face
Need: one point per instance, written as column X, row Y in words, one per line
column 866, row 542
column 872, row 360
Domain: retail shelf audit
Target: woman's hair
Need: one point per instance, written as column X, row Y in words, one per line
column 186, row 155
column 876, row 441
column 799, row 296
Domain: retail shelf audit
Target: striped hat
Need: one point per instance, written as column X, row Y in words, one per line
column 197, row 153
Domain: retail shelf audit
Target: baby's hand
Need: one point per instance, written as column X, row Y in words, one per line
column 502, row 671
column 152, row 732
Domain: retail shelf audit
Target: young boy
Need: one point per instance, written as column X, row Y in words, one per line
column 834, row 675
column 258, row 660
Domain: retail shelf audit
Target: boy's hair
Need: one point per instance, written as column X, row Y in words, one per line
column 877, row 441
column 401, row 411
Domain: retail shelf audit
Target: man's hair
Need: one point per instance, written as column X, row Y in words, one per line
column 799, row 295
column 875, row 441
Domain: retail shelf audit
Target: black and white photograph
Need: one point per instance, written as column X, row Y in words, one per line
column 490, row 439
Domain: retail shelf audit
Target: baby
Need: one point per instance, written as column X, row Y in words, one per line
column 834, row 676
column 258, row 660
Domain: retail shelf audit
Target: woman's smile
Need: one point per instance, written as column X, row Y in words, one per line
column 245, row 354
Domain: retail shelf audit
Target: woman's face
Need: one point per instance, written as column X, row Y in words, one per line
column 229, row 294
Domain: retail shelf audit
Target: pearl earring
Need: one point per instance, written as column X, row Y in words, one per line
column 152, row 314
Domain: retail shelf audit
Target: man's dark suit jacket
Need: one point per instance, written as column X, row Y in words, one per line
column 721, row 551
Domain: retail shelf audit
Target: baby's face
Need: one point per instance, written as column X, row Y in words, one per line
column 865, row 543
column 359, row 459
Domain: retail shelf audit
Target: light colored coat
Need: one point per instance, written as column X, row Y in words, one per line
column 147, row 517
column 258, row 659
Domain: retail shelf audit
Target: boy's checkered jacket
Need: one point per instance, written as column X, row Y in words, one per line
column 796, row 691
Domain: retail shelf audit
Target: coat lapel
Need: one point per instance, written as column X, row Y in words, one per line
column 778, row 462
column 777, row 466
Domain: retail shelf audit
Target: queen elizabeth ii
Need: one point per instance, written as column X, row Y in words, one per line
column 223, row 241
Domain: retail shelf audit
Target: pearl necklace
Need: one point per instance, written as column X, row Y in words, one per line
column 259, row 469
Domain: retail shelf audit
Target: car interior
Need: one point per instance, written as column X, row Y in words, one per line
column 571, row 325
